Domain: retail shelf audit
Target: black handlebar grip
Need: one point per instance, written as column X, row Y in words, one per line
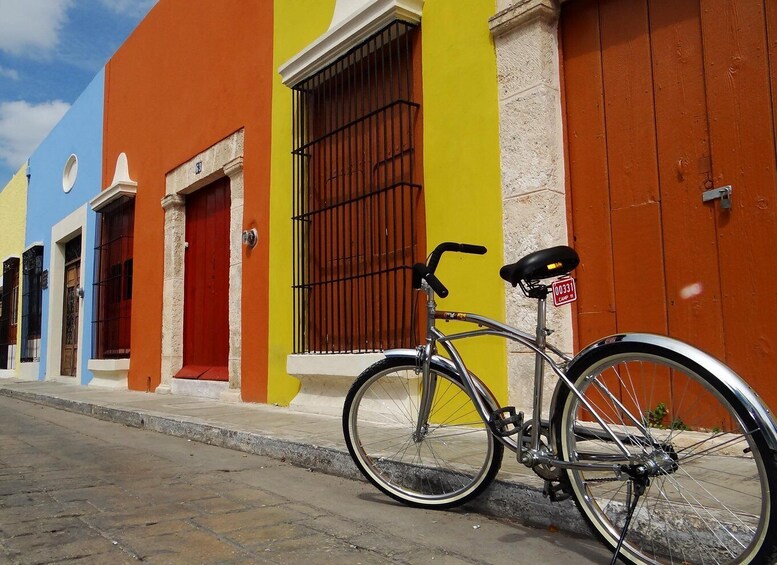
column 434, row 259
column 421, row 271
column 474, row 249
column 460, row 248
column 436, row 285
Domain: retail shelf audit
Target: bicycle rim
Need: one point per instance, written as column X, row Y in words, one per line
column 708, row 499
column 454, row 460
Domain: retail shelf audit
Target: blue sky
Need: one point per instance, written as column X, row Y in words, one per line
column 49, row 52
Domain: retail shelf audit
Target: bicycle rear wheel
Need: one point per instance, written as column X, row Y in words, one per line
column 712, row 478
column 454, row 461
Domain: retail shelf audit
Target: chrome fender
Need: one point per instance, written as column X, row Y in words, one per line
column 761, row 417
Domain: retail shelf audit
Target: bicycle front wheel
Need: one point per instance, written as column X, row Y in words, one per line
column 711, row 477
column 454, row 458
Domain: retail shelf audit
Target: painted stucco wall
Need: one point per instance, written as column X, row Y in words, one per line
column 13, row 217
column 192, row 74
column 78, row 133
column 297, row 24
column 190, row 113
column 13, row 212
column 460, row 163
column 461, row 169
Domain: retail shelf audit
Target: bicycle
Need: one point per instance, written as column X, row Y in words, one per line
column 668, row 454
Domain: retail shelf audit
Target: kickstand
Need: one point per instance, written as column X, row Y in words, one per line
column 632, row 505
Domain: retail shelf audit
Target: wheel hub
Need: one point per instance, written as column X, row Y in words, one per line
column 417, row 436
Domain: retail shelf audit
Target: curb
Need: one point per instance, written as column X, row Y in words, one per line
column 503, row 499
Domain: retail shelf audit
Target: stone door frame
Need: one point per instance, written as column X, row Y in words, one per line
column 225, row 158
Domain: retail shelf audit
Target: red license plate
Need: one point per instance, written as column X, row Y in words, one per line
column 564, row 291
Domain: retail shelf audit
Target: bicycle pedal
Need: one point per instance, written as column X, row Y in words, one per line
column 555, row 491
column 505, row 417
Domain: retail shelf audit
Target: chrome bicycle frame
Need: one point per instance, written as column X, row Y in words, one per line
column 534, row 454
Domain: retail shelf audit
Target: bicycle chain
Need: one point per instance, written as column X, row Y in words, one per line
column 610, row 480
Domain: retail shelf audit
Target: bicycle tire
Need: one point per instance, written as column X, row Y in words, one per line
column 455, row 461
column 713, row 496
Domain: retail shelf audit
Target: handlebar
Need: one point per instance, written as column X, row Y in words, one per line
column 421, row 271
column 434, row 258
column 426, row 271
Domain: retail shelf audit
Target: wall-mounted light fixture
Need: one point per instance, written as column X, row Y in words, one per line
column 250, row 238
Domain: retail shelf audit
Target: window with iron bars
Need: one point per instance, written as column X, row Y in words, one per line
column 358, row 223
column 113, row 281
column 32, row 299
column 9, row 301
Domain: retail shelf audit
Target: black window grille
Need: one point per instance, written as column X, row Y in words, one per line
column 9, row 301
column 358, row 202
column 32, row 300
column 113, row 280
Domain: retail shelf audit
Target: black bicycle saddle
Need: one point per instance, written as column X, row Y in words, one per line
column 543, row 264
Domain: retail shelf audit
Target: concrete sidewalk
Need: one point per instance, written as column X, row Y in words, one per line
column 307, row 440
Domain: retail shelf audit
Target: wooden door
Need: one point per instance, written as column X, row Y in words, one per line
column 664, row 101
column 13, row 307
column 70, row 308
column 9, row 299
column 206, row 283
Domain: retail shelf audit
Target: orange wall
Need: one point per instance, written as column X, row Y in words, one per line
column 191, row 74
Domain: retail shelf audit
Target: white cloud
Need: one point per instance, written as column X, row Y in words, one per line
column 135, row 8
column 9, row 73
column 23, row 126
column 31, row 26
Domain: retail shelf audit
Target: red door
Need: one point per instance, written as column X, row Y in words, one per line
column 206, row 284
column 665, row 101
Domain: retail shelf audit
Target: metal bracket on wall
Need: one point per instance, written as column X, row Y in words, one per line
column 723, row 193
column 250, row 237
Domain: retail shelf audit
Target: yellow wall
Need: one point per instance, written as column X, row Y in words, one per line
column 462, row 184
column 13, row 215
column 460, row 162
column 297, row 24
column 13, row 212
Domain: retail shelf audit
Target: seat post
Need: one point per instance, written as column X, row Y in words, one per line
column 539, row 370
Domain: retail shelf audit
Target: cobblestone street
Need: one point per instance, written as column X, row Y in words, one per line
column 77, row 490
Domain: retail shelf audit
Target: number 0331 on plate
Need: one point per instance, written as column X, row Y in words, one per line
column 564, row 291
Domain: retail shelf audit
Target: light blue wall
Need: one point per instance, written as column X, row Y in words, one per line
column 80, row 132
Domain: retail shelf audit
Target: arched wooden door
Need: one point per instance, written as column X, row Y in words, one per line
column 663, row 102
